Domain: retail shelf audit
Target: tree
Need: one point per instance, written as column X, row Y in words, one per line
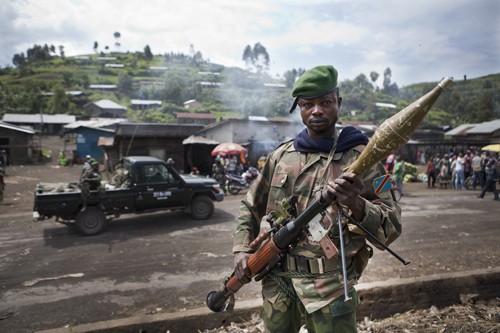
column 387, row 79
column 388, row 87
column 68, row 79
column 247, row 56
column 85, row 81
column 117, row 36
column 96, row 46
column 256, row 57
column 19, row 60
column 485, row 110
column 290, row 77
column 61, row 51
column 358, row 94
column 38, row 53
column 147, row 53
column 198, row 57
column 125, row 84
column 59, row 102
column 374, row 77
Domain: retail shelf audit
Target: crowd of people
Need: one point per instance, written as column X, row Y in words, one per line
column 479, row 169
column 231, row 165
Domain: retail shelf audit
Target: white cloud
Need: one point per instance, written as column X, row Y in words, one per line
column 419, row 40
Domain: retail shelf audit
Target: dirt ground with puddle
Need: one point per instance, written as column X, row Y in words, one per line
column 52, row 277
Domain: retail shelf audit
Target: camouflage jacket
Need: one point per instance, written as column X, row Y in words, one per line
column 92, row 178
column 288, row 172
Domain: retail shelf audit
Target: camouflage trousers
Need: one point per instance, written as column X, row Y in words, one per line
column 282, row 314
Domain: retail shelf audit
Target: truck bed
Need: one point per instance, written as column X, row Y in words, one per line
column 65, row 204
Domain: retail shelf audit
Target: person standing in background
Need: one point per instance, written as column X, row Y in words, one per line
column 389, row 163
column 491, row 172
column 460, row 172
column 399, row 173
column 431, row 173
column 476, row 170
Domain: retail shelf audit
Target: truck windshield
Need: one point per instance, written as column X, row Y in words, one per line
column 157, row 173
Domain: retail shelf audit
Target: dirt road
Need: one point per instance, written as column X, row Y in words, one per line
column 164, row 262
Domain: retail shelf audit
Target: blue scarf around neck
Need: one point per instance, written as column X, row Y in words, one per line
column 349, row 138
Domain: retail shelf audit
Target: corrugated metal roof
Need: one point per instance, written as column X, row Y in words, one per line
column 37, row 118
column 145, row 102
column 257, row 118
column 95, row 123
column 274, row 85
column 460, row 130
column 209, row 84
column 107, row 104
column 114, row 65
column 190, row 115
column 68, row 92
column 200, row 140
column 103, row 86
column 385, row 105
column 170, row 130
column 16, row 128
column 486, row 127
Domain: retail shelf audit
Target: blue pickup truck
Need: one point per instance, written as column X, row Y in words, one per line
column 150, row 185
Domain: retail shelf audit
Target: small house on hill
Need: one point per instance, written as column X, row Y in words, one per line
column 159, row 140
column 87, row 133
column 480, row 134
column 105, row 108
column 192, row 104
column 143, row 104
column 18, row 144
column 86, row 139
column 43, row 123
column 104, row 87
column 194, row 118
column 260, row 135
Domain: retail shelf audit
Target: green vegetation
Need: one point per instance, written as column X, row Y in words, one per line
column 225, row 92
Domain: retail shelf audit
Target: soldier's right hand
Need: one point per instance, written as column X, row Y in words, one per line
column 241, row 269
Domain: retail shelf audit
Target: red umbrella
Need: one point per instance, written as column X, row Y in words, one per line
column 228, row 149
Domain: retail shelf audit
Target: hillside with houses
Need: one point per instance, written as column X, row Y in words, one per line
column 119, row 104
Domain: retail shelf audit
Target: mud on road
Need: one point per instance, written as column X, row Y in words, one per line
column 51, row 277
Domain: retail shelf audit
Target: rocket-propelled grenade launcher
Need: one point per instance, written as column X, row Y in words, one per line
column 389, row 137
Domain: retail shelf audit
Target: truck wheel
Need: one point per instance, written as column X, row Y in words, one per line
column 91, row 221
column 202, row 207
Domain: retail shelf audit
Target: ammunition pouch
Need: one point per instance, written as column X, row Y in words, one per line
column 317, row 265
column 361, row 258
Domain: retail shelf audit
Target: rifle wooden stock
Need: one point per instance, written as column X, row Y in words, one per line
column 256, row 263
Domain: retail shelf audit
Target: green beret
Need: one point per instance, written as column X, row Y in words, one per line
column 316, row 82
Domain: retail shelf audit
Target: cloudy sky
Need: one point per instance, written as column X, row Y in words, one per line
column 420, row 40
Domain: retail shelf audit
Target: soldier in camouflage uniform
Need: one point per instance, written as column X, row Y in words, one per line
column 91, row 181
column 299, row 291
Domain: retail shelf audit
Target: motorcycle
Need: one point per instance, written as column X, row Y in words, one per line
column 237, row 183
